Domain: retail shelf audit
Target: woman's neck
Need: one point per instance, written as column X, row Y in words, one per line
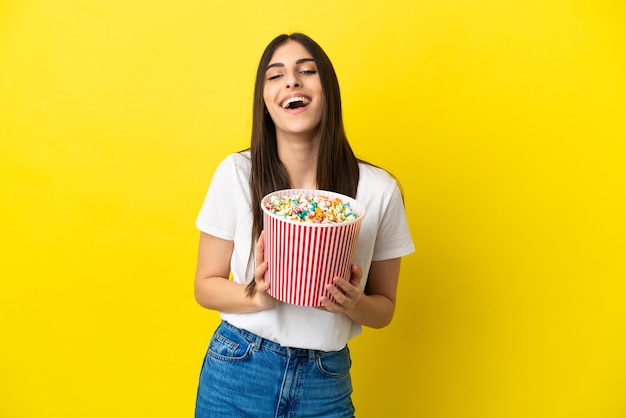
column 299, row 157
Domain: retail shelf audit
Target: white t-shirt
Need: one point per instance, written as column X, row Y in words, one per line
column 227, row 214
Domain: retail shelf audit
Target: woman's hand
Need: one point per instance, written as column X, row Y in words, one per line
column 262, row 298
column 347, row 293
column 374, row 306
column 212, row 287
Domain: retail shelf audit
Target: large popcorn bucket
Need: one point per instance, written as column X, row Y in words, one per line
column 304, row 257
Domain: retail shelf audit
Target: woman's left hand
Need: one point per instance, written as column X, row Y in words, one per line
column 347, row 293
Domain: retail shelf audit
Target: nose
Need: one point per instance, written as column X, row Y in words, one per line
column 293, row 80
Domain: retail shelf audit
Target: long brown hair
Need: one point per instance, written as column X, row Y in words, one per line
column 337, row 166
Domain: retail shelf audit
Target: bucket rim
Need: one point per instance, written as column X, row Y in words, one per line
column 354, row 205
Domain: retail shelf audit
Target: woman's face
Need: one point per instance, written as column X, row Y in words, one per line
column 293, row 92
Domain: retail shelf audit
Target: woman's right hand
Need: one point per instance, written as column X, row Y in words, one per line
column 214, row 290
column 261, row 286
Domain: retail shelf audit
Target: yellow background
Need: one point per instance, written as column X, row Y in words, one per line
column 503, row 120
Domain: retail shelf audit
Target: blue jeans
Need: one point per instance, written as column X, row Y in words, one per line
column 244, row 375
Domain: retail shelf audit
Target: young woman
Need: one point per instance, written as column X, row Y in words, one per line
column 268, row 358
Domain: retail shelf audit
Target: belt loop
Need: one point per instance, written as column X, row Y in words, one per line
column 257, row 343
column 312, row 355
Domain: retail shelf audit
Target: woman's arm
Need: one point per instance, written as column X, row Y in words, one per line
column 373, row 308
column 213, row 289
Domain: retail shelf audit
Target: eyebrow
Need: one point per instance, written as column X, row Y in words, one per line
column 280, row 64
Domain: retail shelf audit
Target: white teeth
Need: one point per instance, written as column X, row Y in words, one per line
column 304, row 100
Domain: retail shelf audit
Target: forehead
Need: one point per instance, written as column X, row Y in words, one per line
column 289, row 53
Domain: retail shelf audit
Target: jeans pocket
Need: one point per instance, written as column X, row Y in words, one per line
column 229, row 346
column 335, row 363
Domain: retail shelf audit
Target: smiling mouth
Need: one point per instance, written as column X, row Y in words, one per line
column 295, row 102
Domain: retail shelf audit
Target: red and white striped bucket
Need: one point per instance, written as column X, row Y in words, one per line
column 304, row 257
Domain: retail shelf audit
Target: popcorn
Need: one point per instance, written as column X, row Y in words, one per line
column 311, row 208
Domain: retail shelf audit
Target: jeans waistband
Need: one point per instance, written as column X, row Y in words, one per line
column 260, row 342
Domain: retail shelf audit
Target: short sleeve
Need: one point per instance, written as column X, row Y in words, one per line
column 394, row 237
column 227, row 195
